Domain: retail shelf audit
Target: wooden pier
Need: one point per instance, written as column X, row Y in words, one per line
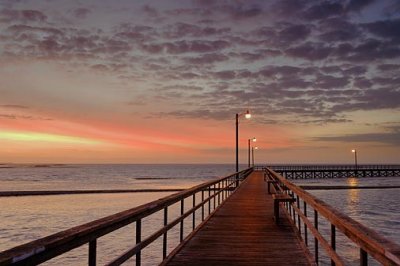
column 335, row 171
column 242, row 232
column 233, row 220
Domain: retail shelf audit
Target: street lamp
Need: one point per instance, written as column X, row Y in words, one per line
column 355, row 159
column 252, row 153
column 247, row 115
column 249, row 140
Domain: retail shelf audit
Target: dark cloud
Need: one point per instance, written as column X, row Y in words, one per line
column 310, row 51
column 389, row 29
column 181, row 30
column 388, row 138
column 21, row 16
column 294, row 33
column 324, row 10
column 81, row 12
column 180, row 47
column 206, row 59
column 388, row 67
column 358, row 5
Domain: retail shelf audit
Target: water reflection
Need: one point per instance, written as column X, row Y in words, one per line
column 353, row 197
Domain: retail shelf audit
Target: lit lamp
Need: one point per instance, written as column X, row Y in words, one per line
column 247, row 115
column 355, row 157
column 249, row 140
column 252, row 153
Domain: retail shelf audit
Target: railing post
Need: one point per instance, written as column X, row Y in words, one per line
column 333, row 241
column 315, row 239
column 214, row 199
column 138, row 240
column 92, row 252
column 165, row 234
column 202, row 204
column 194, row 212
column 209, row 200
column 219, row 193
column 298, row 215
column 363, row 257
column 181, row 229
column 305, row 226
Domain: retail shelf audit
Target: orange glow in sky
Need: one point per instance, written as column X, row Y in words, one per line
column 161, row 83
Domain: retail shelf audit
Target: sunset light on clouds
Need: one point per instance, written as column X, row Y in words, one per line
column 161, row 81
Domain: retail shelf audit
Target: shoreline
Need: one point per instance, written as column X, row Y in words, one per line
column 72, row 192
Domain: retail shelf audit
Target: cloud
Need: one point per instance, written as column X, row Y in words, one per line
column 180, row 47
column 80, row 13
column 14, row 106
column 388, row 29
column 358, row 5
column 323, row 10
column 387, row 138
column 21, row 16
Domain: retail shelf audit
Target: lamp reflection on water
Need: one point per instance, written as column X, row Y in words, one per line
column 353, row 196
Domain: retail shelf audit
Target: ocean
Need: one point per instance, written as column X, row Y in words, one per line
column 28, row 218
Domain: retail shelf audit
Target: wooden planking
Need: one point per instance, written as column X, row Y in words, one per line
column 243, row 232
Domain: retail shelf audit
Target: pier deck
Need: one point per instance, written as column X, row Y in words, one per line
column 243, row 232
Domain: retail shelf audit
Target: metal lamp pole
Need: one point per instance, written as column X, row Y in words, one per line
column 252, row 153
column 249, row 140
column 248, row 116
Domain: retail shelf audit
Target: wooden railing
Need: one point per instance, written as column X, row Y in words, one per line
column 213, row 193
column 368, row 241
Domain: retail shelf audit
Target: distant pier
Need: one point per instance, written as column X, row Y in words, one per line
column 335, row 171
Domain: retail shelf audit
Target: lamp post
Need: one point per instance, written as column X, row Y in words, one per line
column 252, row 153
column 355, row 157
column 249, row 140
column 247, row 115
column 355, row 160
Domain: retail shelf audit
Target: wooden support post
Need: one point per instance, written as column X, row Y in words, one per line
column 165, row 234
column 181, row 229
column 138, row 240
column 92, row 252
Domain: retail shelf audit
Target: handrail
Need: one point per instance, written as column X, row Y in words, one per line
column 369, row 241
column 46, row 248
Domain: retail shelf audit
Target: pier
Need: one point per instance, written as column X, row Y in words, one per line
column 335, row 171
column 253, row 217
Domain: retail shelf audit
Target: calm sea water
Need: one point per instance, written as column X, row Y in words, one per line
column 27, row 218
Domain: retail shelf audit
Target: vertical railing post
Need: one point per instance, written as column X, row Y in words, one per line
column 333, row 241
column 165, row 234
column 305, row 226
column 298, row 215
column 209, row 200
column 92, row 252
column 138, row 240
column 194, row 212
column 363, row 257
column 315, row 239
column 214, row 198
column 219, row 193
column 202, row 204
column 181, row 228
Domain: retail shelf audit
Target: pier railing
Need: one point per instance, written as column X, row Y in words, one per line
column 301, row 167
column 211, row 194
column 306, row 214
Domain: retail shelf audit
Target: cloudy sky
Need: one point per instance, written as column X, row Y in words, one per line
column 161, row 81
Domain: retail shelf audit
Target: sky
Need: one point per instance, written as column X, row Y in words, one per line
column 161, row 81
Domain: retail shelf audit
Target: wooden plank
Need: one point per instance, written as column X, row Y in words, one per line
column 243, row 232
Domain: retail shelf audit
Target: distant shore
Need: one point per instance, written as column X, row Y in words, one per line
column 71, row 192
